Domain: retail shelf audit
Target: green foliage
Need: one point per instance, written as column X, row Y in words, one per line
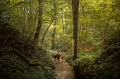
column 102, row 62
column 98, row 19
column 86, row 58
column 69, row 58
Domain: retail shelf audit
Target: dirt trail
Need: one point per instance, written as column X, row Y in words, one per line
column 63, row 70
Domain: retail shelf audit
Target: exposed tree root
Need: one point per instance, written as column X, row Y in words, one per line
column 23, row 57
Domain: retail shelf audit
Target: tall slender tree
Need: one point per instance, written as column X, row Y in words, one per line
column 63, row 28
column 37, row 33
column 52, row 20
column 75, row 5
column 53, row 38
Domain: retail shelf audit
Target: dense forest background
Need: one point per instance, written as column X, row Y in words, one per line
column 37, row 26
column 98, row 19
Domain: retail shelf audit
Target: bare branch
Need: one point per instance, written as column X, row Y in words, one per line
column 6, row 3
column 21, row 2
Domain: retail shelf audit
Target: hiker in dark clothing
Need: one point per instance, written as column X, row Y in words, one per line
column 54, row 57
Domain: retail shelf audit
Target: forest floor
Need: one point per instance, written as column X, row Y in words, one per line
column 63, row 70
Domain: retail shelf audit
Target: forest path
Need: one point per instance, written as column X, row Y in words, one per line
column 63, row 70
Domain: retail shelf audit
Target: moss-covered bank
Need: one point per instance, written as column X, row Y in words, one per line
column 12, row 66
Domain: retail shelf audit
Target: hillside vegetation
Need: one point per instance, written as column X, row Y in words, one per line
column 101, row 62
column 21, row 59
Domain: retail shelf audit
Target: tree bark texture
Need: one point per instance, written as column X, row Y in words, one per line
column 37, row 33
column 53, row 39
column 75, row 5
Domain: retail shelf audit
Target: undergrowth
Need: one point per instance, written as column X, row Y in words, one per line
column 13, row 66
column 101, row 62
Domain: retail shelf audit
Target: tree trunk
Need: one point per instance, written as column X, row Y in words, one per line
column 53, row 39
column 75, row 4
column 52, row 20
column 53, row 35
column 63, row 29
column 37, row 33
column 47, row 30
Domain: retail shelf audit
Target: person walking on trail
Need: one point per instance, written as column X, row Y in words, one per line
column 54, row 57
column 62, row 56
column 58, row 57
